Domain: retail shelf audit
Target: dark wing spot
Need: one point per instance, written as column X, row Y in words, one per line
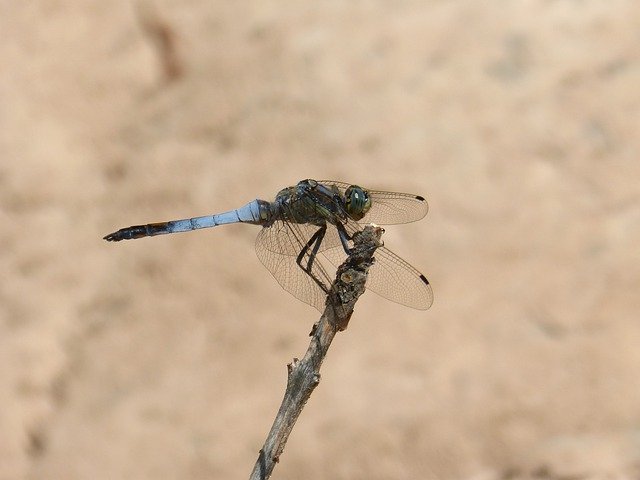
column 424, row 279
column 418, row 197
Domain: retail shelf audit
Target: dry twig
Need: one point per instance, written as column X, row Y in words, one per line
column 304, row 375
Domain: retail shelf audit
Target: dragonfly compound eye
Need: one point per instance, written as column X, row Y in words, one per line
column 357, row 202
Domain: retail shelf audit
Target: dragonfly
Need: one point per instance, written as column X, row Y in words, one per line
column 307, row 232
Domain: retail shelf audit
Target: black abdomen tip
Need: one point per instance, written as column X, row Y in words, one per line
column 115, row 236
column 139, row 231
column 129, row 233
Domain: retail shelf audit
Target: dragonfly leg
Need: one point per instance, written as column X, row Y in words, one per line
column 344, row 237
column 316, row 241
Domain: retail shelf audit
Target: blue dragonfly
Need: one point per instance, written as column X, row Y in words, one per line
column 307, row 232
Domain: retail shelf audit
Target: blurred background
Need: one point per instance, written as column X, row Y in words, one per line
column 165, row 358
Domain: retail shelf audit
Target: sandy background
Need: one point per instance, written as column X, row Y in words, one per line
column 165, row 358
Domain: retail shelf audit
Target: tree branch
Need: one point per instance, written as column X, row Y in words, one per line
column 304, row 375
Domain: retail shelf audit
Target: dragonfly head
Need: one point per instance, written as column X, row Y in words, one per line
column 357, row 202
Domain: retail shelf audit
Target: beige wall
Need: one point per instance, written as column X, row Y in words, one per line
column 165, row 358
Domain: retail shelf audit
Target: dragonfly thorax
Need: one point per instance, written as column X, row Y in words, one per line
column 311, row 202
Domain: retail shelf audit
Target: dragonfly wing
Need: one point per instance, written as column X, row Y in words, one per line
column 277, row 248
column 393, row 278
column 390, row 276
column 397, row 280
column 389, row 208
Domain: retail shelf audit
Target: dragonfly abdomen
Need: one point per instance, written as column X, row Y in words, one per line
column 256, row 212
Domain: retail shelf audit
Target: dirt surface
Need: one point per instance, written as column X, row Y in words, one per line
column 165, row 358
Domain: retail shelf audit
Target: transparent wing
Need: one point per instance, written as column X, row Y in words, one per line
column 390, row 276
column 389, row 208
column 393, row 278
column 305, row 231
column 277, row 247
column 397, row 280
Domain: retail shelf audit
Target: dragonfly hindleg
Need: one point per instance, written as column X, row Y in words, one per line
column 314, row 244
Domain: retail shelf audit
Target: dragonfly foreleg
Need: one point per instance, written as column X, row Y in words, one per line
column 314, row 244
column 344, row 237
